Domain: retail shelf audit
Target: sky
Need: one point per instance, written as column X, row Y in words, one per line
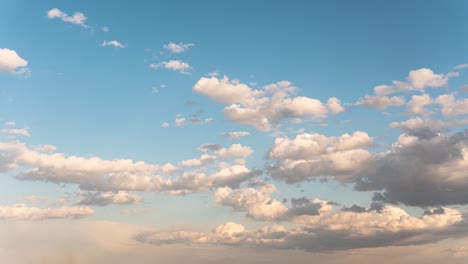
column 233, row 131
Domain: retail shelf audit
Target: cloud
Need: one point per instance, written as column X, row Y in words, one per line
column 219, row 153
column 25, row 213
column 235, row 134
column 107, row 198
column 263, row 108
column 461, row 66
column 177, row 48
column 174, row 65
column 451, row 106
column 134, row 211
column 426, row 127
column 424, row 77
column 329, row 232
column 313, row 155
column 417, row 103
column 16, row 132
column 11, row 62
column 113, row 43
column 78, row 18
column 426, row 169
column 165, row 124
column 417, row 80
column 96, row 174
column 380, row 102
column 105, row 29
column 34, row 199
column 464, row 88
column 334, row 105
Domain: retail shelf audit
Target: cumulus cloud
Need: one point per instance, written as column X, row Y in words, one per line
column 25, row 213
column 113, row 43
column 11, row 62
column 424, row 128
column 451, row 106
column 417, row 103
column 174, row 65
column 262, row 108
column 420, row 170
column 334, row 105
column 312, row 155
column 115, row 175
column 235, row 134
column 107, row 198
column 417, row 80
column 177, row 48
column 328, row 232
column 77, row 18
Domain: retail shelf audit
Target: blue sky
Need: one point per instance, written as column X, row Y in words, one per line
column 336, row 101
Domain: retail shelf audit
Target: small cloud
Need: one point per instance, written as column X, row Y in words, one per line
column 174, row 65
column 177, row 48
column 165, row 124
column 78, row 18
column 235, row 134
column 461, row 66
column 464, row 88
column 16, row 132
column 105, row 29
column 154, row 90
column 133, row 211
column 33, row 199
column 114, row 43
column 10, row 123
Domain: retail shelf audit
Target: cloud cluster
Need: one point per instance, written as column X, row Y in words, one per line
column 177, row 48
column 219, row 153
column 115, row 175
column 113, row 43
column 328, row 232
column 174, row 65
column 107, row 198
column 265, row 108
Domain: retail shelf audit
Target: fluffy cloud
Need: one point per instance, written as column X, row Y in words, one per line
column 107, row 198
column 177, row 48
column 334, row 105
column 426, row 127
column 113, row 43
column 417, row 103
column 235, row 134
column 311, row 155
column 174, row 65
column 423, row 77
column 263, row 108
column 125, row 175
column 328, row 232
column 420, row 170
column 451, row 106
column 23, row 212
column 77, row 18
column 416, row 80
column 11, row 62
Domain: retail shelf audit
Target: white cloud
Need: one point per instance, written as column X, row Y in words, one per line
column 424, row 77
column 235, row 134
column 461, row 66
column 105, row 29
column 177, row 48
column 34, row 199
column 16, row 132
column 313, row 155
column 10, row 123
column 417, row 103
column 451, row 106
column 11, row 62
column 334, row 105
column 113, row 43
column 175, row 65
column 262, row 108
column 380, row 101
column 25, row 213
column 165, row 124
column 220, row 153
column 78, row 18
